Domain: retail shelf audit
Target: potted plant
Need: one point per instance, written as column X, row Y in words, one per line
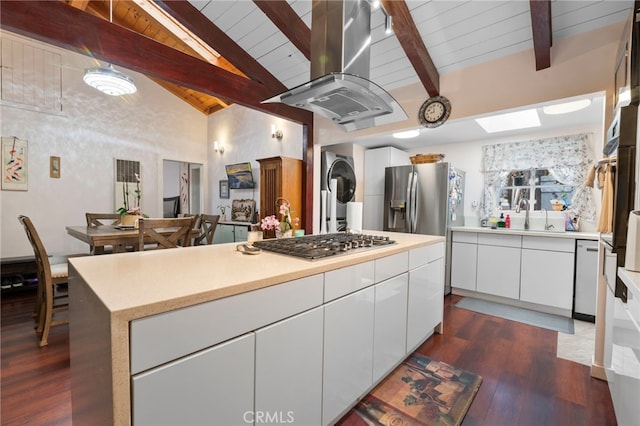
column 131, row 212
column 223, row 209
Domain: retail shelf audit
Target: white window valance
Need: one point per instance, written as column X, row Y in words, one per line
column 568, row 159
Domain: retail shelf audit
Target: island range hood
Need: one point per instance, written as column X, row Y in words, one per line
column 340, row 88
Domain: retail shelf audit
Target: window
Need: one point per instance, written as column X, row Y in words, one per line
column 538, row 186
column 541, row 171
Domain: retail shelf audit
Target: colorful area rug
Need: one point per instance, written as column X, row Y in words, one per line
column 420, row 391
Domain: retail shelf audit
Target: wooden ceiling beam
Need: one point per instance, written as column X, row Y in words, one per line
column 541, row 27
column 192, row 19
column 411, row 41
column 65, row 26
column 288, row 22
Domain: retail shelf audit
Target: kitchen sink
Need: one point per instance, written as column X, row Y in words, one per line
column 538, row 221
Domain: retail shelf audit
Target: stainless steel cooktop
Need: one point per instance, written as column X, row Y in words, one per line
column 314, row 247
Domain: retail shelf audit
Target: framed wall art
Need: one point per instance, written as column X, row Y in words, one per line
column 224, row 189
column 54, row 167
column 14, row 164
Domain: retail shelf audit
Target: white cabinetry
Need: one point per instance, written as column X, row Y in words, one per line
column 426, row 293
column 498, row 266
column 289, row 369
column 198, row 389
column 464, row 259
column 547, row 271
column 375, row 161
column 348, row 351
column 390, row 324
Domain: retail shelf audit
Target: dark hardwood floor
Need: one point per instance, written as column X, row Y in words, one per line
column 523, row 381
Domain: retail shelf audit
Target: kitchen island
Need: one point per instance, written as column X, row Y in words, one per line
column 207, row 335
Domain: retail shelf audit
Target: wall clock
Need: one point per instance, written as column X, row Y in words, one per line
column 434, row 111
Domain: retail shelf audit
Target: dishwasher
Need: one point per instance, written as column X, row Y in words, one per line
column 586, row 280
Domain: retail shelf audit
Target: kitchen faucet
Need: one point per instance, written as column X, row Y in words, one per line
column 547, row 226
column 526, row 213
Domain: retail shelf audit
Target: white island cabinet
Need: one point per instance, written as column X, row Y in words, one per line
column 207, row 335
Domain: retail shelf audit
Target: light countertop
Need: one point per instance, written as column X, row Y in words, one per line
column 533, row 233
column 134, row 285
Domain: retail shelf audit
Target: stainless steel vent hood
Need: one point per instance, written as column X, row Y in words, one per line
column 340, row 88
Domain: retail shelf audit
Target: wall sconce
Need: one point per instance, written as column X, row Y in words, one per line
column 277, row 134
column 218, row 147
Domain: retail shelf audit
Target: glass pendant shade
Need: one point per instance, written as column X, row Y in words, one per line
column 109, row 81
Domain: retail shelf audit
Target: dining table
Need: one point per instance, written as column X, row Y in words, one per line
column 120, row 238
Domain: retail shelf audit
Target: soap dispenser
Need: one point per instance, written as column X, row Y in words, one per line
column 501, row 223
column 507, row 221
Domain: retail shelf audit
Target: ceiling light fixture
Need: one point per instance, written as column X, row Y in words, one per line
column 107, row 79
column 566, row 107
column 409, row 134
column 510, row 121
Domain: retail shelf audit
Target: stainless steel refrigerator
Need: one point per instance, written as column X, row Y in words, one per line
column 425, row 199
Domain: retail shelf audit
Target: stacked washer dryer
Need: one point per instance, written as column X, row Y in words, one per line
column 340, row 168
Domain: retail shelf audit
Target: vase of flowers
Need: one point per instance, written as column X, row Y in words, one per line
column 283, row 228
column 130, row 212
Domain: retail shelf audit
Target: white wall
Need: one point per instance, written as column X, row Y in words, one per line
column 246, row 136
column 93, row 130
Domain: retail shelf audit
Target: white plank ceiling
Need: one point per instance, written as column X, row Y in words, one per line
column 457, row 33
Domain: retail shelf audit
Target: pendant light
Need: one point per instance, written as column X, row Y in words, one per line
column 107, row 79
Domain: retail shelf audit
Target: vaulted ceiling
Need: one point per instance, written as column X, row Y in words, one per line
column 212, row 53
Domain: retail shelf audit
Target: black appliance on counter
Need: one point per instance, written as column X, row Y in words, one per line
column 312, row 247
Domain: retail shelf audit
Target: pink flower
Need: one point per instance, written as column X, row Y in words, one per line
column 269, row 223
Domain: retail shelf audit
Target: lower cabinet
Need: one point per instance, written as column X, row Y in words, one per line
column 426, row 296
column 223, row 234
column 390, row 324
column 547, row 272
column 499, row 271
column 464, row 258
column 226, row 233
column 199, row 389
column 348, row 351
column 289, row 371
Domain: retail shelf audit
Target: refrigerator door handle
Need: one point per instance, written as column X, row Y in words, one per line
column 408, row 205
column 414, row 203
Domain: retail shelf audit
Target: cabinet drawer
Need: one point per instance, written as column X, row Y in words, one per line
column 500, row 240
column 343, row 281
column 391, row 266
column 427, row 254
column 465, row 237
column 549, row 243
column 164, row 337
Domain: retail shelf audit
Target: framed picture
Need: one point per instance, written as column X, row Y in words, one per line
column 224, row 189
column 14, row 164
column 54, row 167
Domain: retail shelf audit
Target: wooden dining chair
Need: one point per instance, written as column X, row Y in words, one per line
column 49, row 299
column 156, row 231
column 101, row 219
column 209, row 222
